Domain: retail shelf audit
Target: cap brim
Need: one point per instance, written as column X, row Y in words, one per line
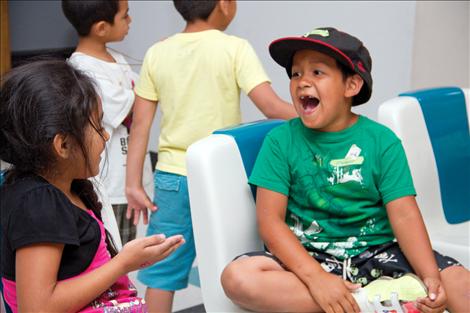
column 283, row 50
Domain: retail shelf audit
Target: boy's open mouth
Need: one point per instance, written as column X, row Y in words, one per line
column 309, row 103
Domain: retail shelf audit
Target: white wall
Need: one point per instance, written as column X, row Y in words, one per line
column 37, row 25
column 441, row 52
column 386, row 28
column 414, row 44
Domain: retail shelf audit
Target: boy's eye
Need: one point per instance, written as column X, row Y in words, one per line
column 295, row 74
column 317, row 72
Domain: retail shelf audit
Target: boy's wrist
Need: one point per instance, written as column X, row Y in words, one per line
column 133, row 187
column 310, row 272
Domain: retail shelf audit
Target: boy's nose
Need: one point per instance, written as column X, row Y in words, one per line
column 305, row 82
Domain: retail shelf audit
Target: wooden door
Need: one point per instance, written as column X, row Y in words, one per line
column 5, row 54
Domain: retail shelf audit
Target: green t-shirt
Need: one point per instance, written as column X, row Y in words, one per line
column 337, row 183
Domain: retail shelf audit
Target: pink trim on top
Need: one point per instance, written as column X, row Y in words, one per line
column 318, row 42
column 121, row 291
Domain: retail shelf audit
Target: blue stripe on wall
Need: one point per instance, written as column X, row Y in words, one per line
column 446, row 119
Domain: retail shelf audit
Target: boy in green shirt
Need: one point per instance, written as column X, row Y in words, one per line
column 334, row 191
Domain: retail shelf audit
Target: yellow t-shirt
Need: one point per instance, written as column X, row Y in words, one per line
column 196, row 78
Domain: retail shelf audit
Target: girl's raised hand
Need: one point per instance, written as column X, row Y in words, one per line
column 143, row 252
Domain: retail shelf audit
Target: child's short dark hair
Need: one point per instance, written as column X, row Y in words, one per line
column 345, row 71
column 192, row 10
column 83, row 14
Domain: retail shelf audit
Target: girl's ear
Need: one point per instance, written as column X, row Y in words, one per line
column 353, row 85
column 62, row 146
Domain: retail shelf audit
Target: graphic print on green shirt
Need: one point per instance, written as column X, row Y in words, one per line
column 337, row 183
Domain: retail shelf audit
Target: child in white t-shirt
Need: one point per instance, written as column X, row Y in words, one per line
column 97, row 23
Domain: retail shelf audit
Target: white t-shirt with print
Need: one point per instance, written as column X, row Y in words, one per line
column 115, row 83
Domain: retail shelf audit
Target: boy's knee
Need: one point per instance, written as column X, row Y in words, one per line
column 456, row 279
column 231, row 278
column 235, row 282
column 455, row 275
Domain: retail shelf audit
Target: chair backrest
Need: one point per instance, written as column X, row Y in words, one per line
column 433, row 125
column 107, row 213
column 222, row 203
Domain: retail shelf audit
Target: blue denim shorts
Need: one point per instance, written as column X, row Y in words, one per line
column 172, row 217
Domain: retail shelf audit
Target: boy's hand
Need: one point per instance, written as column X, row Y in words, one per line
column 436, row 300
column 142, row 252
column 138, row 201
column 333, row 293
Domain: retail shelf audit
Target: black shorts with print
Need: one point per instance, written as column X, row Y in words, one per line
column 380, row 260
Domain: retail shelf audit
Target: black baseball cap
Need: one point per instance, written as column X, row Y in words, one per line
column 346, row 49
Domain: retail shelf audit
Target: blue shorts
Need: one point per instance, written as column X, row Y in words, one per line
column 172, row 217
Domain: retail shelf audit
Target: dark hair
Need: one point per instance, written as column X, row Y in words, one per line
column 39, row 100
column 83, row 14
column 192, row 10
column 345, row 71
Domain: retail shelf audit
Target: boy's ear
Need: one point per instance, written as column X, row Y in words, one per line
column 62, row 146
column 353, row 85
column 99, row 29
column 224, row 6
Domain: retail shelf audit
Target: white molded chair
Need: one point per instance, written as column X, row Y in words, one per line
column 222, row 204
column 433, row 125
column 107, row 213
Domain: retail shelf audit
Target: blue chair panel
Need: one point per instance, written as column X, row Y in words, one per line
column 249, row 137
column 445, row 115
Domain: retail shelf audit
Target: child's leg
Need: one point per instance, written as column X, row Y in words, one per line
column 456, row 280
column 172, row 217
column 260, row 284
column 161, row 300
column 127, row 229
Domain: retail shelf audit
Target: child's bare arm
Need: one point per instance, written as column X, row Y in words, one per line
column 37, row 266
column 410, row 231
column 329, row 291
column 137, row 199
column 269, row 103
